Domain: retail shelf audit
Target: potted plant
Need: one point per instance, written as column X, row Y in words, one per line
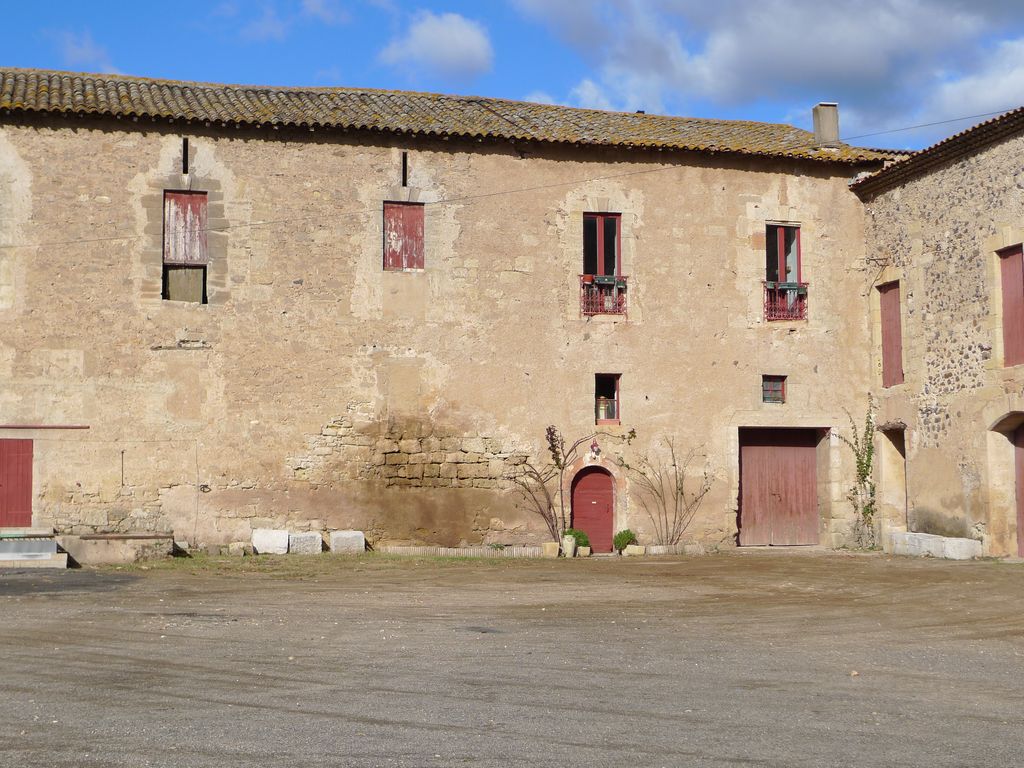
column 582, row 541
column 623, row 539
column 587, row 279
column 568, row 545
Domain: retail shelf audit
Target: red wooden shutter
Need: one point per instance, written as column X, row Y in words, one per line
column 403, row 236
column 15, row 483
column 1011, row 267
column 413, row 236
column 185, row 228
column 892, row 334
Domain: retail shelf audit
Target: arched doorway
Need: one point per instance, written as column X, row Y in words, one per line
column 593, row 506
column 1006, row 518
column 1006, row 485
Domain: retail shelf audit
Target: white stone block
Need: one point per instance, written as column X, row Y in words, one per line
column 305, row 543
column 930, row 545
column 270, row 541
column 348, row 542
column 961, row 549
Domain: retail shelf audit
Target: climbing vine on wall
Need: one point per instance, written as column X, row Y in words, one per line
column 861, row 441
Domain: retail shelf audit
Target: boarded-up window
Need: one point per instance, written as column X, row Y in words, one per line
column 185, row 251
column 15, row 483
column 1011, row 268
column 892, row 334
column 403, row 236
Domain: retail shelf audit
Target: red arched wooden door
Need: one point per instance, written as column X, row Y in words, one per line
column 593, row 504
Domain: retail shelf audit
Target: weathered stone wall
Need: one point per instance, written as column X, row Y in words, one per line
column 938, row 235
column 317, row 390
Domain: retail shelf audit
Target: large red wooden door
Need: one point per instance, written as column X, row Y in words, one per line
column 15, row 483
column 1018, row 454
column 593, row 500
column 778, row 487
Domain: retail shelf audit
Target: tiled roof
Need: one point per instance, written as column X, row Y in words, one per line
column 28, row 91
column 956, row 146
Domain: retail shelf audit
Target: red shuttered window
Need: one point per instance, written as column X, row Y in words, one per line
column 602, row 284
column 785, row 293
column 892, row 334
column 403, row 236
column 185, row 251
column 1011, row 269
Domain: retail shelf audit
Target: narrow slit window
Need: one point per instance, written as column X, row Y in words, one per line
column 773, row 389
column 606, row 398
column 405, row 169
column 184, row 155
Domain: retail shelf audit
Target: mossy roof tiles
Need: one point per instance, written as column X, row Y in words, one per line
column 949, row 150
column 425, row 114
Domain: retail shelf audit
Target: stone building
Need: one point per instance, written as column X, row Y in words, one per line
column 230, row 307
column 944, row 232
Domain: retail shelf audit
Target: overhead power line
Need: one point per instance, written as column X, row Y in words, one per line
column 334, row 216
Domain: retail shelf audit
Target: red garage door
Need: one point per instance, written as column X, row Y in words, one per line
column 15, row 483
column 593, row 500
column 778, row 487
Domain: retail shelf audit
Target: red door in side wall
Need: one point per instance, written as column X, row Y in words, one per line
column 778, row 487
column 593, row 501
column 1018, row 454
column 15, row 483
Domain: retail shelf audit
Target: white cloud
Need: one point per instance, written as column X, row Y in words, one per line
column 445, row 44
column 998, row 84
column 588, row 94
column 325, row 11
column 889, row 63
column 269, row 26
column 539, row 97
column 80, row 51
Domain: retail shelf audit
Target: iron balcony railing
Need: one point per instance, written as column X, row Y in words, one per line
column 785, row 301
column 602, row 295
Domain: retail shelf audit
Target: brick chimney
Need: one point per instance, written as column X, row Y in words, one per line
column 826, row 124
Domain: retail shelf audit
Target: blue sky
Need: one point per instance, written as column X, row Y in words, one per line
column 889, row 63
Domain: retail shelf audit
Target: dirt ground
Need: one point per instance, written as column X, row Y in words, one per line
column 747, row 658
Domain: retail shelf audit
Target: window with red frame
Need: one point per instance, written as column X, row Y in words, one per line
column 606, row 398
column 785, row 293
column 601, row 244
column 773, row 389
column 602, row 284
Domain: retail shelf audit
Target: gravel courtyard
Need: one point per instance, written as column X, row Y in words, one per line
column 747, row 658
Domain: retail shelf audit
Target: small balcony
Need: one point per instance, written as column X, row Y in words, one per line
column 602, row 295
column 785, row 301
